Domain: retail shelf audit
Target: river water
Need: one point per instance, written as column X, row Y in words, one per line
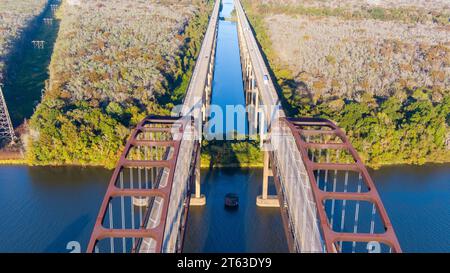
column 42, row 209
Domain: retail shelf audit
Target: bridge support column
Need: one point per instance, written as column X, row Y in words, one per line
column 266, row 200
column 197, row 199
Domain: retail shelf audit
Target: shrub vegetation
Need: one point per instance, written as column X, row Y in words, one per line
column 382, row 77
column 114, row 62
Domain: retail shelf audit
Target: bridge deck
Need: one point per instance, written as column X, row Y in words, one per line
column 266, row 87
column 194, row 98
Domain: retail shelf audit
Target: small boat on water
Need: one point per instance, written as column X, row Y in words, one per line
column 231, row 200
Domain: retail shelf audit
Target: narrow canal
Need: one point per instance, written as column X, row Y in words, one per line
column 44, row 208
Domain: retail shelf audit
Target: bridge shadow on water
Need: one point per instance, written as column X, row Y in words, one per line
column 71, row 232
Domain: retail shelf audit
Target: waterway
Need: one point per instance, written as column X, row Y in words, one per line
column 215, row 228
column 228, row 90
column 42, row 209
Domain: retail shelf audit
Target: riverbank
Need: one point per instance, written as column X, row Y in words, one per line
column 13, row 162
column 207, row 163
column 59, row 121
column 231, row 154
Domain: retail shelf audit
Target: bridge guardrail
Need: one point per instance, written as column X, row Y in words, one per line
column 294, row 187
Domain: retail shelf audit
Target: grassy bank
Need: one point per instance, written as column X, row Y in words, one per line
column 16, row 19
column 358, row 10
column 13, row 162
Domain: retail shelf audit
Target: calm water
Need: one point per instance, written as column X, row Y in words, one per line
column 247, row 229
column 418, row 202
column 44, row 208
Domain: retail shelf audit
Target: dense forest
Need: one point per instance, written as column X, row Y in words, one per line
column 114, row 62
column 15, row 16
column 382, row 72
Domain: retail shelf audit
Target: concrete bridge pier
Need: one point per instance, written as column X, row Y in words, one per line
column 256, row 115
column 266, row 200
column 262, row 128
column 197, row 199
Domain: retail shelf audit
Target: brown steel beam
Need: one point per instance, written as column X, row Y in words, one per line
column 156, row 233
column 164, row 143
column 147, row 163
column 331, row 237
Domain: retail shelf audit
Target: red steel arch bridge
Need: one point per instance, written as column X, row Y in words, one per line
column 326, row 196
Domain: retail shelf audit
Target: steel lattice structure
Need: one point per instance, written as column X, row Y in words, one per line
column 6, row 129
column 330, row 202
column 147, row 200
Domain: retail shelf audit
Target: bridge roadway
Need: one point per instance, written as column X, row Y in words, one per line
column 197, row 100
column 199, row 89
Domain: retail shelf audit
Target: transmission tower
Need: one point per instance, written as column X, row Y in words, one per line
column 6, row 128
